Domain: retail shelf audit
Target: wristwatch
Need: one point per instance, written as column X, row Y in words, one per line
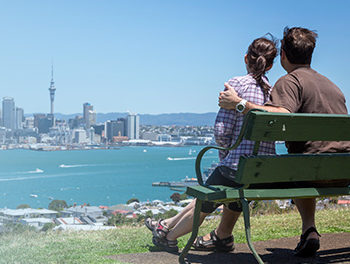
column 241, row 106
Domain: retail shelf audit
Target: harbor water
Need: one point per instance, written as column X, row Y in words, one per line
column 96, row 177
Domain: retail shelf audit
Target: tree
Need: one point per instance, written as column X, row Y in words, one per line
column 132, row 200
column 57, row 205
column 176, row 197
column 23, row 206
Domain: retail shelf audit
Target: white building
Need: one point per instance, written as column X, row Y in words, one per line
column 80, row 136
column 78, row 211
column 38, row 223
column 14, row 215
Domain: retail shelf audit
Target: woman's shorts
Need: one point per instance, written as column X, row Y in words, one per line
column 217, row 178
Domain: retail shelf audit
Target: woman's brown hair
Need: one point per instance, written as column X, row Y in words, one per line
column 260, row 56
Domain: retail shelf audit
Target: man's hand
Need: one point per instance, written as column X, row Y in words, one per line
column 229, row 98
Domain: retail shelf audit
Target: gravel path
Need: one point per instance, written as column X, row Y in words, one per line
column 335, row 248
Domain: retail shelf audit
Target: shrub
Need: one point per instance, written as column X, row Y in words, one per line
column 48, row 226
column 132, row 200
column 23, row 206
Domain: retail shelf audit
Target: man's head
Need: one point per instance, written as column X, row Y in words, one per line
column 298, row 45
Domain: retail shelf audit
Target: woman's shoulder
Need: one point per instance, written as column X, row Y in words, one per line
column 240, row 82
column 244, row 79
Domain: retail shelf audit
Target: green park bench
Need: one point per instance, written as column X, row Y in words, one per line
column 254, row 169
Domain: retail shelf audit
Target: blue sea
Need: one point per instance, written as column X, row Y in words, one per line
column 96, row 177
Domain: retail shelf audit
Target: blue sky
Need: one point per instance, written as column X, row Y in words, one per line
column 152, row 56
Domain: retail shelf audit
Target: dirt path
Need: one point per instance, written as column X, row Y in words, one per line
column 335, row 248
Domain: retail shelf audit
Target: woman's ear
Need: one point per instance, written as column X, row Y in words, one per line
column 246, row 59
column 269, row 68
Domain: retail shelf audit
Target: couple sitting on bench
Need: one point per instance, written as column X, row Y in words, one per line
column 302, row 90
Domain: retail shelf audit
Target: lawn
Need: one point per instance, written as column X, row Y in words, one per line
column 93, row 246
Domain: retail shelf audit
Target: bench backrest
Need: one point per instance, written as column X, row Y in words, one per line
column 264, row 126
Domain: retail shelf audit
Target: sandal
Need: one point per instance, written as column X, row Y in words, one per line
column 160, row 231
column 214, row 243
column 150, row 223
column 307, row 247
column 165, row 244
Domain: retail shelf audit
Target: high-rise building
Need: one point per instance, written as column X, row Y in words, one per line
column 19, row 118
column 43, row 122
column 89, row 115
column 133, row 121
column 52, row 90
column 111, row 129
column 8, row 113
column 122, row 127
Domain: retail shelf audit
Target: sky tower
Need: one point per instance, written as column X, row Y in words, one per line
column 52, row 90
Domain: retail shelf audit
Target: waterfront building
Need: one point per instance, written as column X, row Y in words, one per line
column 2, row 135
column 150, row 136
column 8, row 113
column 80, row 136
column 89, row 115
column 111, row 129
column 122, row 127
column 19, row 118
column 164, row 138
column 29, row 122
column 133, row 121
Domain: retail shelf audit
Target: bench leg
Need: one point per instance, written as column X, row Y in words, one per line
column 195, row 228
column 245, row 207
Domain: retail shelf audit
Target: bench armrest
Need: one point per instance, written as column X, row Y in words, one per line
column 233, row 146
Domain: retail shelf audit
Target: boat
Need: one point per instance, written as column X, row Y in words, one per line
column 187, row 181
column 33, row 195
column 37, row 170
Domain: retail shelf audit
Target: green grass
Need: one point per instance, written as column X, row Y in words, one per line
column 93, row 246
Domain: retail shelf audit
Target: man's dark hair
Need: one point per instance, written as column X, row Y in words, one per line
column 298, row 44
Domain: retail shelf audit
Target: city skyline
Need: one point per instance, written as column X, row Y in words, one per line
column 151, row 57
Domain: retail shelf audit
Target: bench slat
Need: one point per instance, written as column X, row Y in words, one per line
column 264, row 126
column 292, row 168
column 226, row 193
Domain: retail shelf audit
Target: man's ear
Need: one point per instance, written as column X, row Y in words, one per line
column 282, row 54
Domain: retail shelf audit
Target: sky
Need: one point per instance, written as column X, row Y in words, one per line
column 152, row 57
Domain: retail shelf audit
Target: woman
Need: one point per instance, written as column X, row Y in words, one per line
column 252, row 87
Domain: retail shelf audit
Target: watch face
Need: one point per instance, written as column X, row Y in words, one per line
column 240, row 107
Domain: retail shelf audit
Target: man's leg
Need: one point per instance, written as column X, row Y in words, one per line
column 309, row 241
column 227, row 223
column 307, row 209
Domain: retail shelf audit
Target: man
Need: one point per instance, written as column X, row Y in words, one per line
column 302, row 90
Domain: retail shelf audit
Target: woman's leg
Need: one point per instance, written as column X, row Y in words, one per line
column 184, row 225
column 171, row 222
